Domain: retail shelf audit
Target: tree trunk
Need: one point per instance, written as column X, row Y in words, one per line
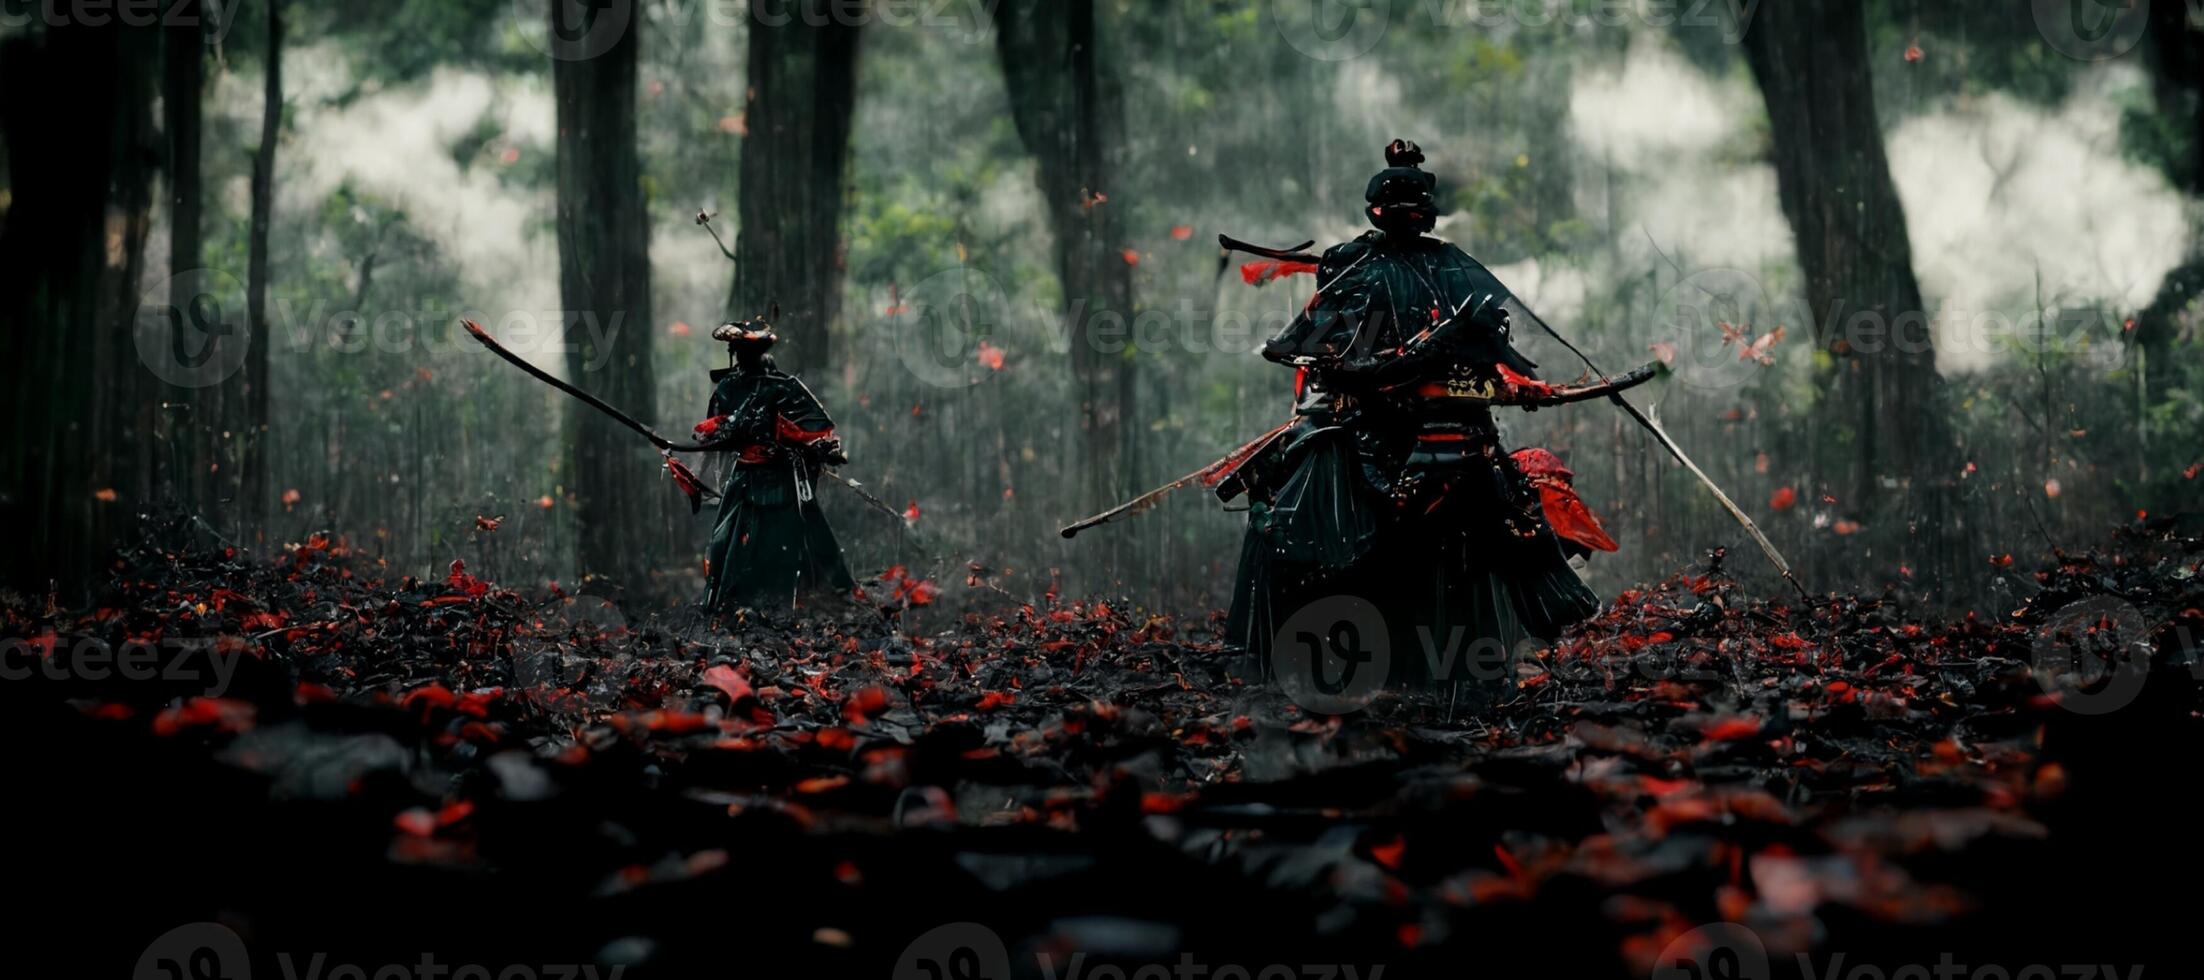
column 1068, row 114
column 1883, row 395
column 78, row 168
column 246, row 403
column 604, row 288
column 194, row 438
column 2176, row 56
column 795, row 154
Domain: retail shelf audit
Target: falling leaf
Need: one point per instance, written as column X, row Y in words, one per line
column 1843, row 527
column 2001, row 561
column 544, row 501
column 1131, row 257
column 2192, row 471
column 1180, row 233
column 107, row 495
column 735, row 125
column 2051, row 488
column 1665, row 351
column 482, row 523
column 910, row 514
column 1913, row 53
column 290, row 498
column 680, row 328
column 991, row 356
column 1784, row 498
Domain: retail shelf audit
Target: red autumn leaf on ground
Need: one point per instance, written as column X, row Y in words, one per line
column 468, row 584
column 729, row 682
column 865, row 704
column 221, row 714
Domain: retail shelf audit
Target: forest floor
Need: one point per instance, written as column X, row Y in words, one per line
column 328, row 763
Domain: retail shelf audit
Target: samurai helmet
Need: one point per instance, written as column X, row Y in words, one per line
column 1401, row 196
column 753, row 336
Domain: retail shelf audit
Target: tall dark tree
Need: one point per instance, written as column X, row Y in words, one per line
column 795, row 155
column 2176, row 56
column 192, row 437
column 79, row 171
column 1068, row 111
column 245, row 402
column 1810, row 58
column 604, row 289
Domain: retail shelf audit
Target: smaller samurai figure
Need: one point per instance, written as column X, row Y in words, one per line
column 771, row 548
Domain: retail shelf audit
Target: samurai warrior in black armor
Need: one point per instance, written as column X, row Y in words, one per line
column 771, row 548
column 1391, row 484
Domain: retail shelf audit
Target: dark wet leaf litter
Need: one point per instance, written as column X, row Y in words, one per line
column 501, row 775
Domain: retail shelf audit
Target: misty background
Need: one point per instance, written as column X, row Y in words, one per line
column 1617, row 165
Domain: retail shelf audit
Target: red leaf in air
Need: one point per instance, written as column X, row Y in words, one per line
column 1665, row 351
column 1784, row 498
column 1180, row 233
column 482, row 523
column 910, row 513
column 991, row 356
